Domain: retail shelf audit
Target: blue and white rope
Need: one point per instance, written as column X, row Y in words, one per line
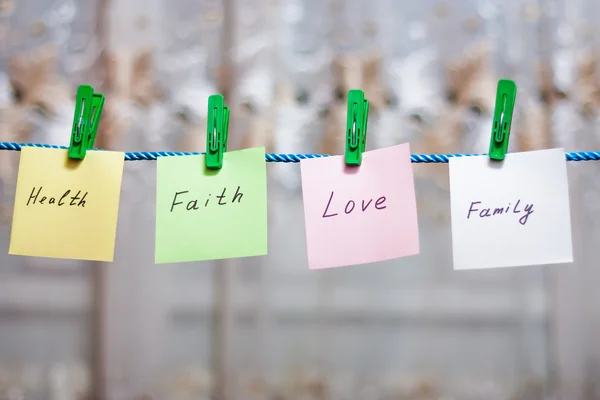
column 290, row 158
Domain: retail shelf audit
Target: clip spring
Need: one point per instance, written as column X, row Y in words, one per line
column 356, row 127
column 217, row 131
column 505, row 103
column 88, row 110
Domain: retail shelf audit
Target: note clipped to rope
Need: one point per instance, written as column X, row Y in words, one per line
column 204, row 214
column 363, row 214
column 510, row 213
column 66, row 208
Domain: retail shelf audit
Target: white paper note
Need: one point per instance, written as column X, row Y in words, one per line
column 510, row 213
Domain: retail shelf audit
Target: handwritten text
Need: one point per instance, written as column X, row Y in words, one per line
column 193, row 204
column 66, row 199
column 351, row 206
column 481, row 212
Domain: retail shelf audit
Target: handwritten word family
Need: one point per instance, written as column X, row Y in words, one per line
column 513, row 213
column 353, row 214
column 486, row 212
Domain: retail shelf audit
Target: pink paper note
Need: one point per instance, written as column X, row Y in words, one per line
column 358, row 215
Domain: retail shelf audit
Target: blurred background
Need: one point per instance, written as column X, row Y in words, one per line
column 267, row 328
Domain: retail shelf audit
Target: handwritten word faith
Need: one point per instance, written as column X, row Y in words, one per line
column 490, row 212
column 351, row 205
column 76, row 201
column 193, row 204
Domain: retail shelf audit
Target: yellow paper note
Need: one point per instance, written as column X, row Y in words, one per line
column 66, row 208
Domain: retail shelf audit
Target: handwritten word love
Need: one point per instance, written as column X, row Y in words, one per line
column 489, row 212
column 76, row 201
column 193, row 203
column 350, row 206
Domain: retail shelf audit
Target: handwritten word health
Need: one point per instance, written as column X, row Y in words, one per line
column 78, row 200
column 485, row 212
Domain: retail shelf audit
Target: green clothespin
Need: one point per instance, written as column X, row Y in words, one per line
column 356, row 126
column 88, row 110
column 503, row 113
column 216, row 135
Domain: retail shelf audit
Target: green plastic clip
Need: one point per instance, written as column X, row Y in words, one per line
column 216, row 135
column 356, row 126
column 88, row 110
column 503, row 113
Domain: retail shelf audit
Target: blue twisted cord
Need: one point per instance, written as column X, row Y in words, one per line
column 290, row 158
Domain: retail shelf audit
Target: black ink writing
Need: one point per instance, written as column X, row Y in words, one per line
column 78, row 200
column 175, row 203
column 193, row 204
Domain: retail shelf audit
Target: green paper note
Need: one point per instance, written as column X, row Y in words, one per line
column 204, row 214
